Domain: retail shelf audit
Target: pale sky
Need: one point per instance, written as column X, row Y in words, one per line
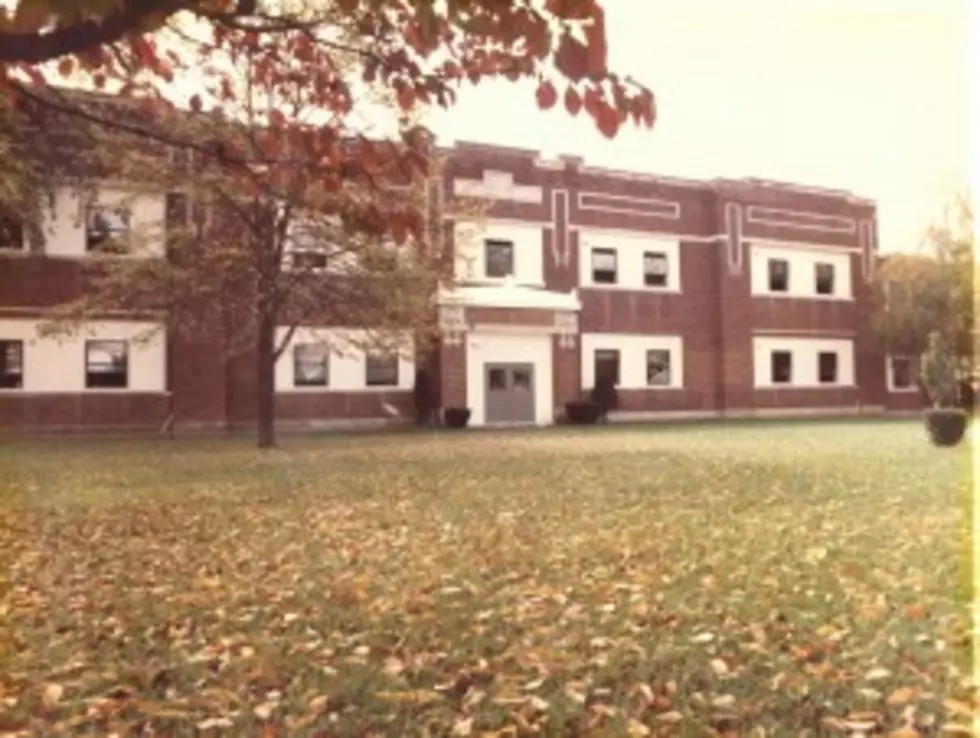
column 864, row 95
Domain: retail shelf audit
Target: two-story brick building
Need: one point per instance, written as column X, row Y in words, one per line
column 703, row 298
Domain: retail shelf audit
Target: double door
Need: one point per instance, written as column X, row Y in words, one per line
column 509, row 393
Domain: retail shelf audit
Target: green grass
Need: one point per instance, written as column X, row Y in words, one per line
column 748, row 579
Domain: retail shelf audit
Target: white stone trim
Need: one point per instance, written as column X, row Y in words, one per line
column 630, row 205
column 509, row 296
column 775, row 217
column 498, row 185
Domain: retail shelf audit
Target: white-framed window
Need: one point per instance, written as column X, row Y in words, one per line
column 311, row 364
column 902, row 373
column 802, row 362
column 629, row 260
column 604, row 266
column 107, row 228
column 636, row 361
column 658, row 367
column 796, row 272
column 11, row 364
column 655, row 269
column 381, row 369
column 106, row 364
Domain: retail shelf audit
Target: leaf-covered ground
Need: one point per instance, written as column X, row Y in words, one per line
column 744, row 579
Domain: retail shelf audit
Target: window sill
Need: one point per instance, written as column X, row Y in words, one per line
column 817, row 298
column 341, row 391
column 790, row 386
column 81, row 391
column 643, row 289
column 903, row 390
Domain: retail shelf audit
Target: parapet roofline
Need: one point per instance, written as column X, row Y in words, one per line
column 563, row 161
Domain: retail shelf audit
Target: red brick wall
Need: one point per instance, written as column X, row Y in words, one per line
column 28, row 413
column 715, row 314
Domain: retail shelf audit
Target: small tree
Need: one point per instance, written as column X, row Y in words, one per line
column 940, row 372
column 265, row 248
column 919, row 294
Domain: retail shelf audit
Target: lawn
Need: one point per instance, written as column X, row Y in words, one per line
column 743, row 579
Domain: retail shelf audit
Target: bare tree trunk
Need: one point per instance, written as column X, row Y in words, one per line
column 266, row 384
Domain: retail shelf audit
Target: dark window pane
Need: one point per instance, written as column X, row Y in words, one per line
column 522, row 379
column 309, row 260
column 655, row 269
column 106, row 228
column 825, row 279
column 11, row 364
column 607, row 365
column 604, row 266
column 828, row 367
column 500, row 258
column 901, row 372
column 497, row 379
column 106, row 364
column 381, row 370
column 658, row 367
column 11, row 233
column 782, row 367
column 310, row 366
column 778, row 275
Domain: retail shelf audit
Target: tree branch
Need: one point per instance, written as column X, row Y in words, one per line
column 36, row 48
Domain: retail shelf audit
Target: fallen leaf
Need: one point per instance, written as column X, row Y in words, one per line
column 670, row 717
column 901, row 695
column 52, row 695
column 637, row 729
column 719, row 667
column 877, row 673
column 463, row 727
column 416, row 696
column 264, row 711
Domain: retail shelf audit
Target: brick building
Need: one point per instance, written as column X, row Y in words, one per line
column 704, row 299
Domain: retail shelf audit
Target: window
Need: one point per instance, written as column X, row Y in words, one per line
column 308, row 260
column 11, row 233
column 901, row 373
column 825, row 279
column 778, row 275
column 607, row 365
column 304, row 248
column 11, row 364
column 106, row 364
column 782, row 367
column 310, row 367
column 604, row 266
column 655, row 269
column 499, row 258
column 381, row 370
column 827, row 367
column 658, row 367
column 106, row 228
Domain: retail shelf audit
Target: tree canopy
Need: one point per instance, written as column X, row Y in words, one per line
column 931, row 290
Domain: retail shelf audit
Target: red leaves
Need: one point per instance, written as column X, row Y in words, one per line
column 406, row 97
column 573, row 103
column 608, row 120
column 66, row 66
column 571, row 58
column 546, row 95
column 595, row 38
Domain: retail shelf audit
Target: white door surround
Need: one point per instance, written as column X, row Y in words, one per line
column 488, row 346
